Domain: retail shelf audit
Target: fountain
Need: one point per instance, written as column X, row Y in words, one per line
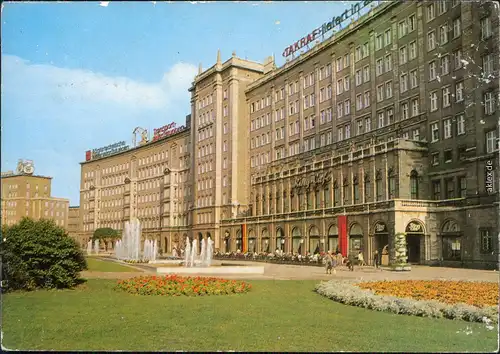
column 128, row 247
column 202, row 265
column 89, row 247
column 155, row 250
column 96, row 246
column 187, row 253
column 203, row 252
column 119, row 251
column 210, row 252
column 194, row 249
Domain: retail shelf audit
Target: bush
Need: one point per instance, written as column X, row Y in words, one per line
column 40, row 254
column 347, row 292
column 174, row 285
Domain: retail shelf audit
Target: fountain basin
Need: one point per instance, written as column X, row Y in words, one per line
column 211, row 270
column 167, row 261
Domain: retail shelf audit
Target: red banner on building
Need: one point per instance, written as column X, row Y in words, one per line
column 244, row 238
column 342, row 223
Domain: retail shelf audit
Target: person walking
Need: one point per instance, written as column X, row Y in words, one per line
column 340, row 259
column 375, row 259
column 361, row 259
column 328, row 262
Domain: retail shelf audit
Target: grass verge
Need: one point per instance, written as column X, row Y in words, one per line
column 274, row 316
column 98, row 265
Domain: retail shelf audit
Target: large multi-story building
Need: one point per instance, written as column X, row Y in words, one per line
column 27, row 195
column 151, row 182
column 74, row 228
column 387, row 126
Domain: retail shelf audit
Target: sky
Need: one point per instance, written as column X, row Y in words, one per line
column 78, row 76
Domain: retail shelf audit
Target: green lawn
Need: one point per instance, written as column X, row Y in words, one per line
column 97, row 265
column 274, row 316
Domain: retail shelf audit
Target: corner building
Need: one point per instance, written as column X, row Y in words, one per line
column 28, row 195
column 388, row 126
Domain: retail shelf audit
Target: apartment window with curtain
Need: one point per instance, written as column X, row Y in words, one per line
column 379, row 186
column 336, row 194
column 327, row 197
column 392, row 185
column 345, row 188
column 355, row 184
column 414, row 184
column 368, row 192
column 486, row 240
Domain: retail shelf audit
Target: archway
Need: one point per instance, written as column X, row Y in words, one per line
column 165, row 244
column 175, row 241
column 355, row 239
column 252, row 241
column 314, row 240
column 381, row 242
column 414, row 241
column 451, row 241
column 297, row 241
column 239, row 240
column 333, row 239
column 265, row 244
column 280, row 239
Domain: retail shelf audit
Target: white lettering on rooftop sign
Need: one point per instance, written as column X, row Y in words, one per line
column 326, row 27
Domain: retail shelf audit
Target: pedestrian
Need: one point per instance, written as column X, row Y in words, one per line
column 340, row 259
column 375, row 259
column 350, row 263
column 328, row 262
column 361, row 259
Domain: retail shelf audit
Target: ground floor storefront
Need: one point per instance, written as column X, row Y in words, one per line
column 446, row 235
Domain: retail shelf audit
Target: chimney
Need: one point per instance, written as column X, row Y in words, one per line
column 218, row 56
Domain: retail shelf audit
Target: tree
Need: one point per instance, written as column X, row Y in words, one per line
column 40, row 254
column 106, row 234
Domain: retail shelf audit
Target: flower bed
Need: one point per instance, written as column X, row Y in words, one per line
column 350, row 293
column 138, row 261
column 479, row 294
column 314, row 260
column 174, row 285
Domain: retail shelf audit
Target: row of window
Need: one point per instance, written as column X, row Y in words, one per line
column 206, row 133
column 206, row 117
column 450, row 188
column 360, row 191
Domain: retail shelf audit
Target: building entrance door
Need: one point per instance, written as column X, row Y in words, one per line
column 413, row 248
column 414, row 236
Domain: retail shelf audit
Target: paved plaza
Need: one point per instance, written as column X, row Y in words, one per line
column 295, row 272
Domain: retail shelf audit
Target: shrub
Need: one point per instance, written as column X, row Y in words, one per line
column 174, row 285
column 347, row 292
column 39, row 254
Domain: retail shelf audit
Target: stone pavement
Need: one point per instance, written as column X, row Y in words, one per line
column 293, row 272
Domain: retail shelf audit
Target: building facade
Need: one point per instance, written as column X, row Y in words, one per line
column 74, row 228
column 28, row 195
column 151, row 182
column 388, row 126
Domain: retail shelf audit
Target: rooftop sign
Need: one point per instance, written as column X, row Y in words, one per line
column 166, row 130
column 106, row 151
column 326, row 27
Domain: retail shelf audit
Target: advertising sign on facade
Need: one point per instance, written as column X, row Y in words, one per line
column 326, row 27
column 106, row 151
column 166, row 130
